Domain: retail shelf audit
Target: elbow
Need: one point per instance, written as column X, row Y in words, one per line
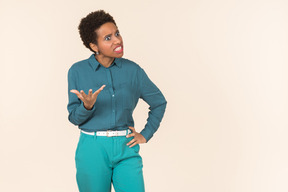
column 164, row 104
column 160, row 106
column 73, row 120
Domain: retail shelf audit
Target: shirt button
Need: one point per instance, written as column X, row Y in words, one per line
column 113, row 111
column 112, row 95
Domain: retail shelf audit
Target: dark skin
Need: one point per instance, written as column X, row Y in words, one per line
column 109, row 46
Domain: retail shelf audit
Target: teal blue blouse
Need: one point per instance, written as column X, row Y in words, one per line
column 125, row 82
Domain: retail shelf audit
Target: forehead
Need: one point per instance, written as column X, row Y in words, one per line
column 106, row 29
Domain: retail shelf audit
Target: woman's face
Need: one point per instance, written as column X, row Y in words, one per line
column 110, row 43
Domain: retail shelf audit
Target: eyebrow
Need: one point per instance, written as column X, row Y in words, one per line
column 110, row 34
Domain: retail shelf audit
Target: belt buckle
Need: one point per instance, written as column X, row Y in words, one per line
column 107, row 133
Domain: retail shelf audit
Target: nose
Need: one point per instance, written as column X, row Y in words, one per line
column 118, row 40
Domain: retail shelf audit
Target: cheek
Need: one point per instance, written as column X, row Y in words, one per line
column 121, row 39
column 105, row 47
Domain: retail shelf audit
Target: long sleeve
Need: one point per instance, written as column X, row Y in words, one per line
column 78, row 114
column 157, row 105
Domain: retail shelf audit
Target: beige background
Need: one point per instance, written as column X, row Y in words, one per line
column 222, row 66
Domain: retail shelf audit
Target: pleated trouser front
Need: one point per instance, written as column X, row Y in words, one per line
column 102, row 161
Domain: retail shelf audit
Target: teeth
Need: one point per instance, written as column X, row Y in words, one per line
column 118, row 48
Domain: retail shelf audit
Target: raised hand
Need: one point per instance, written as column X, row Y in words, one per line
column 90, row 99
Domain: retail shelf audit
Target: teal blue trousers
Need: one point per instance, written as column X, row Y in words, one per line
column 102, row 161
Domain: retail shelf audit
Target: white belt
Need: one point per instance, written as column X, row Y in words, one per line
column 108, row 133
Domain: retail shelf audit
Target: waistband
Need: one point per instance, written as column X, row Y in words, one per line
column 108, row 133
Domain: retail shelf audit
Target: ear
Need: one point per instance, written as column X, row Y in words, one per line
column 94, row 47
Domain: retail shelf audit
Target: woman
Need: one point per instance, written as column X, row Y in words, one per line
column 108, row 147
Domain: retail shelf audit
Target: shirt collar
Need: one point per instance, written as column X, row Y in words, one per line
column 95, row 64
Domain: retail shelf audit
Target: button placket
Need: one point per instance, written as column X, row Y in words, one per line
column 110, row 81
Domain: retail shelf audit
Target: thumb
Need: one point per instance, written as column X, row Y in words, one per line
column 99, row 90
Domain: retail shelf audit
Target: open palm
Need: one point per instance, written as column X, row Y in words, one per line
column 89, row 99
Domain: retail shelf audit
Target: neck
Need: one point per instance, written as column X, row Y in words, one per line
column 105, row 61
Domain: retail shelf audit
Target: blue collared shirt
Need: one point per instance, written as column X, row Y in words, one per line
column 125, row 82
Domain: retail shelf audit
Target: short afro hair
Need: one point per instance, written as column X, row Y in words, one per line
column 90, row 23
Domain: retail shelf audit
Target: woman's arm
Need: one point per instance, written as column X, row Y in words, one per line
column 78, row 113
column 157, row 104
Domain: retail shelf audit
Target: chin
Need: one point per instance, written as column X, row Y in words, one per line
column 119, row 55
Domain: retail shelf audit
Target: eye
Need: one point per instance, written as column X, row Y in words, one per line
column 117, row 34
column 107, row 38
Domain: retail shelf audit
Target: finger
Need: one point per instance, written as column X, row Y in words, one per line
column 77, row 93
column 102, row 87
column 90, row 93
column 130, row 135
column 99, row 90
column 83, row 94
column 135, row 143
column 130, row 142
column 132, row 128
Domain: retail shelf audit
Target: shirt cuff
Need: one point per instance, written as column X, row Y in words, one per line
column 85, row 111
column 147, row 134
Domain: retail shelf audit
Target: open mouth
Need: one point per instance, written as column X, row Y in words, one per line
column 118, row 49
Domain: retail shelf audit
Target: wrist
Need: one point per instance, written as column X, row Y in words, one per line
column 88, row 107
column 144, row 139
